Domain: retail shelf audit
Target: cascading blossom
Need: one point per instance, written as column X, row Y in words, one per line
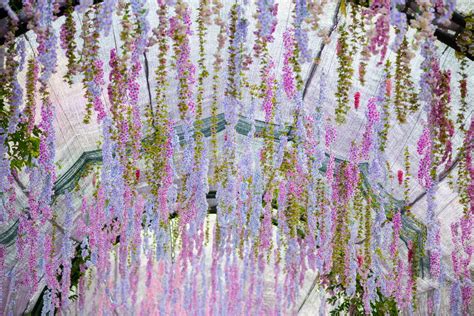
column 357, row 100
column 461, row 289
column 30, row 103
column 267, row 11
column 92, row 67
column 42, row 176
column 301, row 35
column 288, row 77
column 180, row 31
column 435, row 148
column 46, row 39
column 287, row 207
column 15, row 91
column 379, row 39
column 433, row 238
column 140, row 11
column 68, row 44
column 106, row 15
column 398, row 19
column 424, row 149
column 266, row 23
column 2, row 270
column 373, row 116
column 46, row 157
column 351, row 262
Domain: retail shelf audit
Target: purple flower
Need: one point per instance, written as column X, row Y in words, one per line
column 288, row 76
column 301, row 35
column 267, row 21
column 106, row 14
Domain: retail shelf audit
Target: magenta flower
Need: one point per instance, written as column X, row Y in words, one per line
column 400, row 177
column 357, row 100
column 288, row 76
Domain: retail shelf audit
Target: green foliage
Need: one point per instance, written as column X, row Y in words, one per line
column 354, row 305
column 76, row 275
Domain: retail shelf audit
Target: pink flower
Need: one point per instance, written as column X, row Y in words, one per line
column 400, row 177
column 373, row 116
column 424, row 148
column 288, row 76
column 388, row 87
column 357, row 100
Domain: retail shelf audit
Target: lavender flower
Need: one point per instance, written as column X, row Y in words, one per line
column 351, row 260
column 399, row 21
column 266, row 17
column 106, row 14
column 301, row 35
column 456, row 299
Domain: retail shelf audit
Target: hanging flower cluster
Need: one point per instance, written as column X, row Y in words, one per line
column 30, row 102
column 405, row 98
column 316, row 9
column 424, row 149
column 406, row 181
column 439, row 116
column 196, row 226
column 179, row 31
column 288, row 77
column 344, row 71
column 466, row 172
column 92, row 67
column 385, row 96
column 301, row 13
column 266, row 22
column 158, row 121
column 357, row 100
column 68, row 44
column 373, row 116
column 435, row 147
column 217, row 66
column 461, row 290
column 398, row 19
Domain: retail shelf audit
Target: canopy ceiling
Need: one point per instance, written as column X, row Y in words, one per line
column 74, row 138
